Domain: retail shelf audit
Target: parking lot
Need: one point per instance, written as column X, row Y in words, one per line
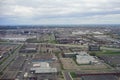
column 14, row 68
column 113, row 60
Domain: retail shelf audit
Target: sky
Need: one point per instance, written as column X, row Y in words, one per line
column 28, row 12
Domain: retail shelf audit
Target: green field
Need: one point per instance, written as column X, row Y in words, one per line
column 105, row 52
column 73, row 74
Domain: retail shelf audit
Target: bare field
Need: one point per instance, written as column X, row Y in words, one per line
column 69, row 64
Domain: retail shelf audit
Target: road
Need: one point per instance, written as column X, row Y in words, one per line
column 75, row 45
column 67, row 75
column 9, row 60
column 114, row 49
column 25, row 68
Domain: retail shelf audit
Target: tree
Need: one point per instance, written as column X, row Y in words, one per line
column 1, row 73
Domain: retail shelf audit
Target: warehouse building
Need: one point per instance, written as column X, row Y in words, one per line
column 28, row 48
column 84, row 58
column 20, row 38
column 70, row 55
column 94, row 47
column 42, row 68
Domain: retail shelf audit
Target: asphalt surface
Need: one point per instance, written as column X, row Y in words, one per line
column 67, row 76
column 8, row 60
column 4, row 66
column 25, row 68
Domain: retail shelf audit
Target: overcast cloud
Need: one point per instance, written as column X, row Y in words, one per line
column 59, row 11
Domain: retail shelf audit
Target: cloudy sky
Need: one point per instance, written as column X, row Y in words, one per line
column 59, row 12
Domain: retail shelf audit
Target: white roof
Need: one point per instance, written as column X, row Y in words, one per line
column 48, row 70
column 0, row 56
column 42, row 67
column 41, row 64
column 15, row 38
column 44, row 70
column 97, row 32
column 81, row 32
column 36, row 65
column 82, row 53
column 84, row 59
column 71, row 53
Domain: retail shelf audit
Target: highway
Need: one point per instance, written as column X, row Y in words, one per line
column 9, row 60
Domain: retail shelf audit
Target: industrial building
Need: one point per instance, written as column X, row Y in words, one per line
column 84, row 58
column 28, row 48
column 64, row 41
column 70, row 55
column 17, row 37
column 94, row 47
column 42, row 68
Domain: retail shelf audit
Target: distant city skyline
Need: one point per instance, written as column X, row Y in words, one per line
column 36, row 12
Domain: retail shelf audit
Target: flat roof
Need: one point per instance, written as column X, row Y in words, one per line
column 82, row 52
column 41, row 64
column 44, row 70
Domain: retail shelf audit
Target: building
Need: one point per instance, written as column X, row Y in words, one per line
column 17, row 37
column 3, row 54
column 42, row 68
column 94, row 47
column 64, row 41
column 84, row 58
column 28, row 48
column 70, row 55
column 44, row 57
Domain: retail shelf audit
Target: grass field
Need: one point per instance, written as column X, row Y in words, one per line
column 73, row 74
column 105, row 52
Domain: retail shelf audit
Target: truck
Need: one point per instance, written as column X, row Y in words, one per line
column 26, row 75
